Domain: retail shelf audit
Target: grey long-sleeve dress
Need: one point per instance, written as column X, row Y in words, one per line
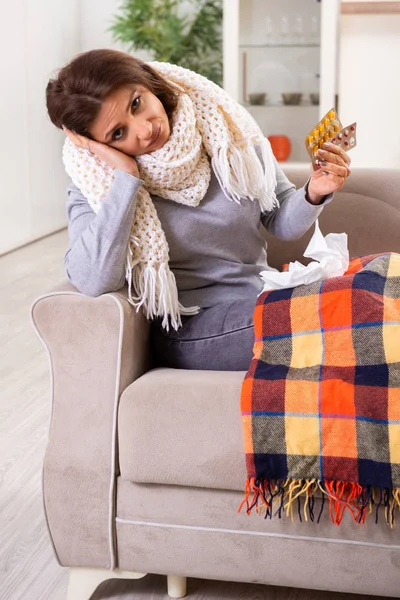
column 216, row 249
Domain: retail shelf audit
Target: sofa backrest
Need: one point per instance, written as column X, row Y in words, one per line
column 367, row 209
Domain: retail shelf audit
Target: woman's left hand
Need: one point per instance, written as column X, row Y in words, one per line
column 330, row 174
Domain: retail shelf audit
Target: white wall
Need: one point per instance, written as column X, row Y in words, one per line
column 96, row 18
column 369, row 86
column 14, row 159
column 32, row 177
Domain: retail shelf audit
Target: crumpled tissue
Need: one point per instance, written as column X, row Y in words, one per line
column 331, row 256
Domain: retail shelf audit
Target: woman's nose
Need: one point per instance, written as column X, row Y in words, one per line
column 144, row 130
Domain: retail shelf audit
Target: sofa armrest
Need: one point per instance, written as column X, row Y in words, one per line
column 96, row 348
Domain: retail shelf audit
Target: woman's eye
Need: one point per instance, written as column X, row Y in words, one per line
column 135, row 103
column 117, row 136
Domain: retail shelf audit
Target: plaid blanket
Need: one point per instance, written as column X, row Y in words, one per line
column 321, row 400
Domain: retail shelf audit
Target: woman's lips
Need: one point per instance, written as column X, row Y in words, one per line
column 155, row 137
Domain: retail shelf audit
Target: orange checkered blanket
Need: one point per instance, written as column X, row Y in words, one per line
column 320, row 402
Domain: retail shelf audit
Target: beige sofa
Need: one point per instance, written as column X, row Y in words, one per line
column 144, row 469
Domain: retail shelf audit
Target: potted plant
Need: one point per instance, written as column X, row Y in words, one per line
column 193, row 40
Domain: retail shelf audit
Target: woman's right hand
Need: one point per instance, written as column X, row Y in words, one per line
column 114, row 158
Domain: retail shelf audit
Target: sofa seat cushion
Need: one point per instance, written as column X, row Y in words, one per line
column 183, row 427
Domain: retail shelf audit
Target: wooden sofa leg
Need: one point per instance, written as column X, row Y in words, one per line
column 84, row 582
column 176, row 586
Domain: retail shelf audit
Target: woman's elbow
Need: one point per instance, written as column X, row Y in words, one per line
column 280, row 230
column 91, row 286
column 84, row 286
column 287, row 235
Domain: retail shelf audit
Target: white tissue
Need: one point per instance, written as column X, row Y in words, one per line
column 332, row 255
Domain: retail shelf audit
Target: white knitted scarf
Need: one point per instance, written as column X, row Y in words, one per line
column 207, row 123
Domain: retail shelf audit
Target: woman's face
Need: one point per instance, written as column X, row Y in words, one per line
column 133, row 120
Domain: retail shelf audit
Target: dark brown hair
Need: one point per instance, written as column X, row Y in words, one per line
column 75, row 95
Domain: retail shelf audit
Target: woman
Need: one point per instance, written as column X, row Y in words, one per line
column 135, row 118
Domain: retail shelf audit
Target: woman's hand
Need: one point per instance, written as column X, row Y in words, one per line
column 329, row 174
column 114, row 158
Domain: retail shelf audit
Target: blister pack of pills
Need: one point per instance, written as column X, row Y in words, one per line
column 330, row 129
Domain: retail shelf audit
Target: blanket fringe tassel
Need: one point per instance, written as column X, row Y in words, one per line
column 342, row 495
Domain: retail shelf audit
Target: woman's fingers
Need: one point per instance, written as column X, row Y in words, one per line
column 336, row 153
column 337, row 180
column 339, row 170
column 335, row 156
column 79, row 140
column 106, row 153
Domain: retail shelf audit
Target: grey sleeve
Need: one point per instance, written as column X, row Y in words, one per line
column 95, row 259
column 295, row 214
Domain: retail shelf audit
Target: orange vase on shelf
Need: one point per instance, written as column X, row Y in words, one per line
column 281, row 147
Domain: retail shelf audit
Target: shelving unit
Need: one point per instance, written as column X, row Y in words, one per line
column 303, row 104
column 274, row 67
column 285, row 120
column 279, row 46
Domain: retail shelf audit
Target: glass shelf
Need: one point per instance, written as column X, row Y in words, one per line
column 257, row 106
column 244, row 46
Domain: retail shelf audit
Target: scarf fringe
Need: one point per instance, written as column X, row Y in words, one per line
column 241, row 174
column 156, row 291
column 342, row 495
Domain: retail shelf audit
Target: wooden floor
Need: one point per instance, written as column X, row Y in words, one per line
column 28, row 570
